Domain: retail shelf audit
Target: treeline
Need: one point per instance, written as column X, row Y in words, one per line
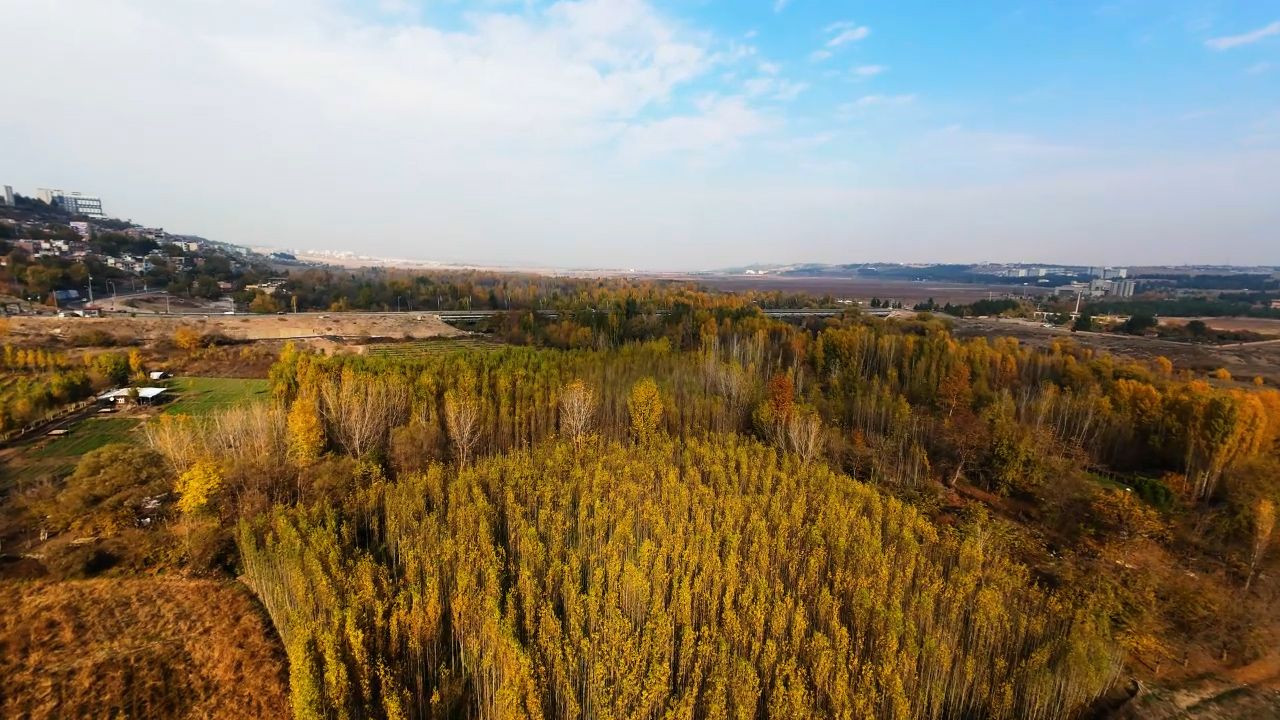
column 1223, row 305
column 1238, row 281
column 703, row 578
column 1006, row 396
column 415, row 290
column 36, row 381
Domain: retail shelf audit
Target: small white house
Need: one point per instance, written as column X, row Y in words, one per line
column 159, row 375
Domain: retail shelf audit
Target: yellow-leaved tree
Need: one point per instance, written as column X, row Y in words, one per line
column 197, row 486
column 644, row 405
column 306, row 429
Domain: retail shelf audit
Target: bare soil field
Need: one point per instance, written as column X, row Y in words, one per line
column 148, row 647
column 1243, row 361
column 905, row 291
column 239, row 327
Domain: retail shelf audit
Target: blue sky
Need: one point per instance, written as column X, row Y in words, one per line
column 666, row 134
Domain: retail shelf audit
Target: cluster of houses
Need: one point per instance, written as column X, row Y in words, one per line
column 79, row 249
column 150, row 395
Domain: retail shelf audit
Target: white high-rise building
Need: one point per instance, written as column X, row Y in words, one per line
column 76, row 203
column 8, row 195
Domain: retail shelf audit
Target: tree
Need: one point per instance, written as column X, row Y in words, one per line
column 135, row 362
column 955, row 391
column 263, row 303
column 804, row 434
column 462, row 420
column 361, row 410
column 112, row 367
column 1139, row 323
column 577, row 406
column 188, row 339
column 306, row 429
column 644, row 407
column 1264, row 522
column 1083, row 323
column 198, row 486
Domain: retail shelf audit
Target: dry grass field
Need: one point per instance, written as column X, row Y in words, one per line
column 1265, row 326
column 138, row 648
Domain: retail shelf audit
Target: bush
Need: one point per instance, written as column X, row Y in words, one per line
column 105, row 493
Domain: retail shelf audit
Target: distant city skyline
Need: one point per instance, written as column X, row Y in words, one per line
column 666, row 135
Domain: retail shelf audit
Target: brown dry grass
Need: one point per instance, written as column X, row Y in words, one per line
column 1265, row 326
column 137, row 648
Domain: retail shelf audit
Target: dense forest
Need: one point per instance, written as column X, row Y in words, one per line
column 709, row 513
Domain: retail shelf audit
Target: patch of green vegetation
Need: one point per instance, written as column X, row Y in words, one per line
column 203, row 395
column 59, row 456
column 87, row 435
column 418, row 348
column 1153, row 491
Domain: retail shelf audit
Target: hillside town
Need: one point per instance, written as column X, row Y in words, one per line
column 60, row 250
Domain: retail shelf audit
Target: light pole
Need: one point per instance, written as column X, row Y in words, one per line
column 398, row 303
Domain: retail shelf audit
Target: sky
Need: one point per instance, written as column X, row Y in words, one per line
column 663, row 134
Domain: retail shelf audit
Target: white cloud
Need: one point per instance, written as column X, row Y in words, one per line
column 819, row 55
column 866, row 71
column 773, row 88
column 721, row 123
column 1231, row 41
column 1259, row 68
column 780, row 5
column 848, row 35
column 879, row 100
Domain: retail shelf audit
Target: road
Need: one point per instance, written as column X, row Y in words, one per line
column 112, row 305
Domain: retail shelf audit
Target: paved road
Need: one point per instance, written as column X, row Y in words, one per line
column 447, row 315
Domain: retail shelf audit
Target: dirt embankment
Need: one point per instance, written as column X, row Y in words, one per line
column 154, row 647
column 239, row 327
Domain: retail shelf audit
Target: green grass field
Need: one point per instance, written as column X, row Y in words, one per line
column 89, row 434
column 418, row 348
column 202, row 395
column 59, row 456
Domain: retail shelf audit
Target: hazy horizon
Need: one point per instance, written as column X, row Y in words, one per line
column 662, row 135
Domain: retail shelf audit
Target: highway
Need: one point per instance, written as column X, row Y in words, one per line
column 109, row 306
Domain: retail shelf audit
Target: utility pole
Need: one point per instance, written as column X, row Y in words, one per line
column 90, row 289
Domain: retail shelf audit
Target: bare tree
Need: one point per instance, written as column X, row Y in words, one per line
column 361, row 410
column 462, row 419
column 577, row 407
column 804, row 434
